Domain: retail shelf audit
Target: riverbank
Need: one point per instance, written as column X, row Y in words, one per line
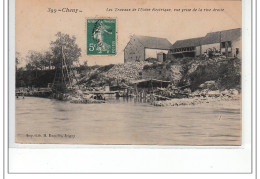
column 195, row 100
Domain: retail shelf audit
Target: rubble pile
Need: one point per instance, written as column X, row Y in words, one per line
column 175, row 73
column 86, row 101
column 193, row 67
column 129, row 71
column 211, row 85
column 80, row 98
column 200, row 97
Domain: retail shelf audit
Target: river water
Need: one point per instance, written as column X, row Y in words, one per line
column 41, row 120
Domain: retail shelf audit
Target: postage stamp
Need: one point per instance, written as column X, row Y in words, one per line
column 101, row 36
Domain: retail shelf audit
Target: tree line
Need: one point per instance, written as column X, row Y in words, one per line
column 64, row 46
column 51, row 59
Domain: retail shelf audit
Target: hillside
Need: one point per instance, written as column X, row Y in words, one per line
column 190, row 72
column 113, row 74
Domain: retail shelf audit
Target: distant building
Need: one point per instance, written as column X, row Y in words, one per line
column 140, row 48
column 186, row 48
column 227, row 42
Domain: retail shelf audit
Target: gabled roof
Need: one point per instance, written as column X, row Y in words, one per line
column 229, row 35
column 187, row 43
column 210, row 38
column 154, row 42
column 221, row 36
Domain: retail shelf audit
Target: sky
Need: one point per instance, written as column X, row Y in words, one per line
column 36, row 27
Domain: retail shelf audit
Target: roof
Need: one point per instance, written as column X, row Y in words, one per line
column 154, row 42
column 229, row 35
column 187, row 43
column 221, row 36
column 210, row 38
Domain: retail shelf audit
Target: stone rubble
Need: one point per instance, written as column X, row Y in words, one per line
column 200, row 97
column 129, row 71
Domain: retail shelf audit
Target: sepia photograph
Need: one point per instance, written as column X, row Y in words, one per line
column 129, row 73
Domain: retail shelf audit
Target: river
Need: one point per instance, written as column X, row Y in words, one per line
column 42, row 120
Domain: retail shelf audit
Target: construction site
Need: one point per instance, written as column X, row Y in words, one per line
column 193, row 70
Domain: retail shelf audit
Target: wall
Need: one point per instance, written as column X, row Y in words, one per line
column 134, row 51
column 207, row 46
column 237, row 44
column 229, row 50
column 197, row 51
column 161, row 57
column 152, row 53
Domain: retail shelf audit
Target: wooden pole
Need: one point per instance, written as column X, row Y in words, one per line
column 62, row 75
column 67, row 72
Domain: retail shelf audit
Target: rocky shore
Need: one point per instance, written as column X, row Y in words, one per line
column 86, row 101
column 202, row 98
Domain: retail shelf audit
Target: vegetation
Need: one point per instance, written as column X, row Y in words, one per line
column 40, row 68
column 153, row 66
column 25, row 78
column 227, row 74
column 42, row 65
column 95, row 76
column 65, row 46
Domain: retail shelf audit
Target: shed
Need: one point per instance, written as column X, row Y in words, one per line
column 152, row 83
column 186, row 48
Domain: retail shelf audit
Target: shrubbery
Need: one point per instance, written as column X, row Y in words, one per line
column 225, row 73
column 37, row 78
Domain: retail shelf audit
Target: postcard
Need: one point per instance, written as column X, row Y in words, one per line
column 127, row 72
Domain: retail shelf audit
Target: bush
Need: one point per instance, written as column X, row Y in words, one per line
column 226, row 74
column 230, row 75
column 37, row 78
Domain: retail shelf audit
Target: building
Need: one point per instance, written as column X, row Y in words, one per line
column 227, row 43
column 186, row 48
column 140, row 48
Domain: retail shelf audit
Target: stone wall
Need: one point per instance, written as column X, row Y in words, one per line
column 134, row 51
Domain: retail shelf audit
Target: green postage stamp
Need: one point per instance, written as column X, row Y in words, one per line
column 101, row 36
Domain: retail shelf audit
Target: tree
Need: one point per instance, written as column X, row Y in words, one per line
column 85, row 63
column 48, row 59
column 29, row 67
column 64, row 44
column 35, row 60
column 17, row 59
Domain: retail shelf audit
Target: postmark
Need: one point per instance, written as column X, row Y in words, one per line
column 101, row 36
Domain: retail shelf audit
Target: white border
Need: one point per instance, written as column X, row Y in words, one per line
column 80, row 158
